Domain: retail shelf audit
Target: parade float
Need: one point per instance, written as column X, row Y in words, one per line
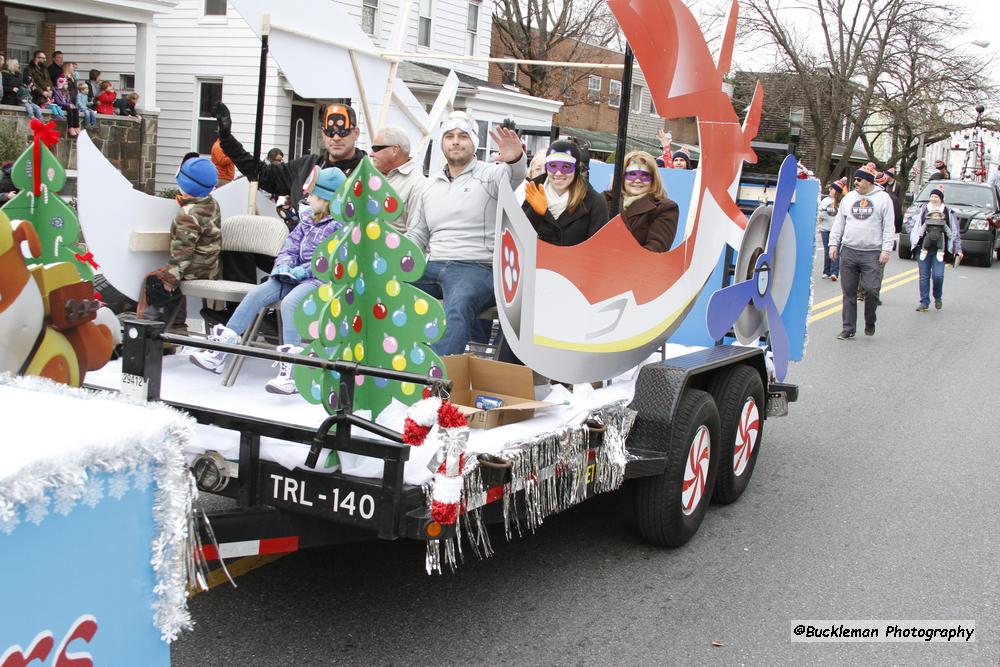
column 96, row 539
column 669, row 364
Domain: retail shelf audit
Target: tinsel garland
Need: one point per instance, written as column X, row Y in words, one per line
column 132, row 462
column 550, row 474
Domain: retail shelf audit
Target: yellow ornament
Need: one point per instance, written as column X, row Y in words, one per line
column 331, row 247
column 420, row 306
column 373, row 230
column 399, row 362
column 352, row 268
column 392, row 287
column 359, row 351
column 325, row 292
column 407, row 388
column 334, row 306
column 347, row 354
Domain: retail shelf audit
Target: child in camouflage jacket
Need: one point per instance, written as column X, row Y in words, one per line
column 196, row 233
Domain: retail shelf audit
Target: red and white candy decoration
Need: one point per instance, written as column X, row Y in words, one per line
column 454, row 433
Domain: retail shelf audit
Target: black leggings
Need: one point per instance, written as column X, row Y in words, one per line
column 72, row 117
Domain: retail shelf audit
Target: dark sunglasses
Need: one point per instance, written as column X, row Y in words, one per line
column 381, row 147
column 566, row 168
column 336, row 131
column 858, row 180
column 640, row 176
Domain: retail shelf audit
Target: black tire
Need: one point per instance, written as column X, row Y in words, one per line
column 732, row 390
column 903, row 247
column 659, row 501
column 998, row 253
column 986, row 260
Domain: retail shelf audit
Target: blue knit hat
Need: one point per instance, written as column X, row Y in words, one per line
column 324, row 183
column 197, row 176
column 939, row 192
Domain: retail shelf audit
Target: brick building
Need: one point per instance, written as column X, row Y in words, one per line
column 591, row 99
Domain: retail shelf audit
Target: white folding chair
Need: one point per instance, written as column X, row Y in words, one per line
column 241, row 233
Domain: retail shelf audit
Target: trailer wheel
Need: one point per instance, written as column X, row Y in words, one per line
column 670, row 507
column 739, row 395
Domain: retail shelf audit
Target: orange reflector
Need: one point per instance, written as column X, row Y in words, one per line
column 433, row 530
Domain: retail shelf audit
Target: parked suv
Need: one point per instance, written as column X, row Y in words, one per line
column 977, row 206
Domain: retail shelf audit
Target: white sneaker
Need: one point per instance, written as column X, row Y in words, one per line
column 285, row 382
column 940, row 255
column 210, row 360
column 923, row 255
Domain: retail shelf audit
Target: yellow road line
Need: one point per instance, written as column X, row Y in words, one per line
column 885, row 288
column 886, row 281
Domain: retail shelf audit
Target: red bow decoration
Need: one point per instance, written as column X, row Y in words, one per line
column 88, row 257
column 45, row 133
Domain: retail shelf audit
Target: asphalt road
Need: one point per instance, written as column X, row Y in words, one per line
column 876, row 498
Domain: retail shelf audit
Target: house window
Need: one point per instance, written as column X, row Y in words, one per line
column 635, row 104
column 614, row 94
column 482, row 151
column 215, row 7
column 508, row 73
column 594, row 88
column 209, row 94
column 424, row 29
column 652, row 107
column 369, row 16
column 126, row 82
column 472, row 28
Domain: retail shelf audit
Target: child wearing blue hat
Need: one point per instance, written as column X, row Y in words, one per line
column 290, row 281
column 196, row 233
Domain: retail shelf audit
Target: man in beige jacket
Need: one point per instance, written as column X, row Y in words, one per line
column 390, row 154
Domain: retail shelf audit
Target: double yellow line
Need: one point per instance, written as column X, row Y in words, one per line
column 834, row 304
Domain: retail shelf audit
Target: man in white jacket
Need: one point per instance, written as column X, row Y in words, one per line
column 455, row 224
column 865, row 230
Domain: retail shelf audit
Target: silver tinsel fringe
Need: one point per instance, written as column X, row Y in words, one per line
column 175, row 548
column 551, row 471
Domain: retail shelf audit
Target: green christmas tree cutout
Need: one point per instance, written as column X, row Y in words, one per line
column 55, row 222
column 367, row 311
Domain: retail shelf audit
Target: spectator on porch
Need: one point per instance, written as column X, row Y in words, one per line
column 94, row 86
column 12, row 82
column 391, row 156
column 67, row 102
column 56, row 67
column 36, row 72
column 455, row 224
column 275, row 156
column 125, row 106
column 82, row 104
column 106, row 99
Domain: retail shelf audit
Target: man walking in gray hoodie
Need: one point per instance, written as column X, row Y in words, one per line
column 865, row 229
column 456, row 224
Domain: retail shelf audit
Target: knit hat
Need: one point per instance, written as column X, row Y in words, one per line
column 939, row 192
column 891, row 173
column 460, row 120
column 197, row 176
column 837, row 185
column 881, row 178
column 682, row 153
column 339, row 117
column 324, row 183
column 565, row 151
column 866, row 172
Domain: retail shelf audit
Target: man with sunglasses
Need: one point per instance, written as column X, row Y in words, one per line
column 864, row 231
column 391, row 156
column 456, row 224
column 340, row 132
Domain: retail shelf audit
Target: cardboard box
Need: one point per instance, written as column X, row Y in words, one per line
column 513, row 384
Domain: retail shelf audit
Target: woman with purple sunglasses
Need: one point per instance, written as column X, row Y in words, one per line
column 645, row 208
column 560, row 204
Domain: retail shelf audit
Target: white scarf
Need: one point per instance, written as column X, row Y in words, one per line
column 557, row 203
column 931, row 208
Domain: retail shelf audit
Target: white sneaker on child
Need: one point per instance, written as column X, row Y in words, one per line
column 285, row 382
column 210, row 360
column 940, row 255
column 923, row 255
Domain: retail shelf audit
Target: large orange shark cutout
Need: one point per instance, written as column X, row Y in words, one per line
column 594, row 310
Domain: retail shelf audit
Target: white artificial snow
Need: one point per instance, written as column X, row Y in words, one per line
column 88, row 435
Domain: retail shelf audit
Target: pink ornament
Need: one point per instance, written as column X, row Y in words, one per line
column 390, row 344
column 329, row 331
column 374, row 183
column 392, row 241
column 356, row 235
column 314, row 329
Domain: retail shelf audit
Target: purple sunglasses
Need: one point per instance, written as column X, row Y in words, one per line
column 641, row 176
column 560, row 168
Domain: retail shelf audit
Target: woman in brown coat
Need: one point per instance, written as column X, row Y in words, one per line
column 645, row 208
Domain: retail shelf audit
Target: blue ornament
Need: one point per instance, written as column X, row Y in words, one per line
column 343, row 327
column 416, row 354
column 381, row 382
column 399, row 317
column 373, row 206
column 336, row 207
column 379, row 265
column 309, row 307
column 431, row 329
column 314, row 391
column 343, row 251
column 359, row 285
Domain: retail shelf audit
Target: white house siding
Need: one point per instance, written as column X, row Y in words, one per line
column 644, row 123
column 192, row 46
